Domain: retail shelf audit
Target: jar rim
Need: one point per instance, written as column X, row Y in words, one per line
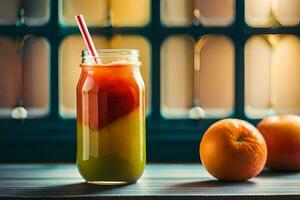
column 111, row 53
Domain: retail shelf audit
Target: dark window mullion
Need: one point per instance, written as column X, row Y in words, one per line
column 239, row 41
column 53, row 30
column 155, row 37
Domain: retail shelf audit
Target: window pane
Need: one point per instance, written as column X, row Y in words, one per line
column 277, row 79
column 272, row 12
column 142, row 44
column 177, row 76
column 25, row 75
column 10, row 76
column 285, row 82
column 258, row 13
column 257, row 75
column 95, row 12
column 36, row 77
column 69, row 71
column 8, row 12
column 214, row 75
column 215, row 12
column 130, row 12
column 177, row 12
column 287, row 12
column 36, row 11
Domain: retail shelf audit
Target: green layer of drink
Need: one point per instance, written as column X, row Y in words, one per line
column 115, row 153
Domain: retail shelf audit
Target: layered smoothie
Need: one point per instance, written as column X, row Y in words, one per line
column 111, row 123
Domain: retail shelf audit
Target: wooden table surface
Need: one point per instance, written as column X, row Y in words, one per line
column 160, row 181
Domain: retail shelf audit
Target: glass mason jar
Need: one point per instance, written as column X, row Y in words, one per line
column 111, row 140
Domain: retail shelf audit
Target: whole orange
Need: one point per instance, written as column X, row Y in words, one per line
column 282, row 135
column 233, row 150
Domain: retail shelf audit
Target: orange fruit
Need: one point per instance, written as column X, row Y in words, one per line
column 233, row 150
column 282, row 135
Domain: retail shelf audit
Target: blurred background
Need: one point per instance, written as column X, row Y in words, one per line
column 202, row 60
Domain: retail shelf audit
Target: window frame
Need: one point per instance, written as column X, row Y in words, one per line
column 53, row 138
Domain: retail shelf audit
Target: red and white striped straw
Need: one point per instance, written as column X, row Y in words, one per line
column 87, row 37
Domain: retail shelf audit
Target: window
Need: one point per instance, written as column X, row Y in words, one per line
column 203, row 60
